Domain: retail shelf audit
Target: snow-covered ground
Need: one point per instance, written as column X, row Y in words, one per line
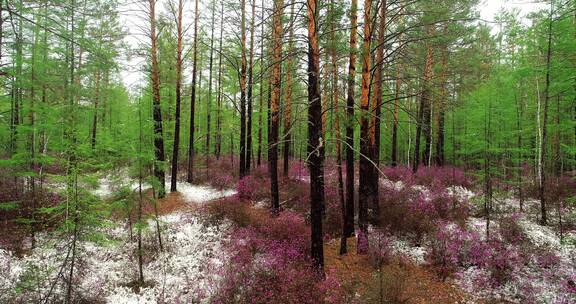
column 108, row 264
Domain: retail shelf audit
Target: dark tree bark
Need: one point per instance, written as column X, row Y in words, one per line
column 439, row 157
column 315, row 144
column 423, row 119
column 157, row 111
column 95, row 114
column 275, row 103
column 543, row 219
column 209, row 101
column 287, row 139
column 176, row 145
column 365, row 164
column 349, row 222
column 250, row 92
column 193, row 97
column 394, row 152
column 374, row 203
column 261, row 97
column 218, row 147
column 242, row 80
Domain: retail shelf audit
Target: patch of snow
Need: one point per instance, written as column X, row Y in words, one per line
column 202, row 194
column 460, row 193
column 539, row 235
column 104, row 271
column 424, row 191
column 478, row 224
column 397, row 186
column 416, row 254
column 263, row 204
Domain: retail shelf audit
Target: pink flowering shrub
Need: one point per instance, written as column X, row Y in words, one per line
column 246, row 188
column 269, row 263
column 445, row 250
column 442, row 176
column 297, row 170
column 397, row 211
column 399, row 173
column 414, row 212
column 511, row 231
column 362, row 240
column 453, row 247
column 222, row 181
column 380, row 250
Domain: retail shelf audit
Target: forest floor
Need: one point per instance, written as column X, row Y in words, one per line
column 197, row 229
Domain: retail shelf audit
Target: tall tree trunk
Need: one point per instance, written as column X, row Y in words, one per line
column 157, row 111
column 349, row 222
column 95, row 114
column 176, row 145
column 275, row 102
column 209, row 101
column 250, row 91
column 394, row 153
column 336, row 107
column 365, row 164
column 520, row 154
column 543, row 219
column 287, row 140
column 374, row 204
column 439, row 157
column 193, row 96
column 242, row 80
column 423, row 119
column 261, row 97
column 220, row 90
column 315, row 141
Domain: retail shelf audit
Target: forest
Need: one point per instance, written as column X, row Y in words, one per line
column 288, row 151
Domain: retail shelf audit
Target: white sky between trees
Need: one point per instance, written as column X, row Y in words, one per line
column 133, row 19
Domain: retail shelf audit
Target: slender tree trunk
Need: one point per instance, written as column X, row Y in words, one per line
column 335, row 105
column 157, row 112
column 520, row 154
column 242, row 80
column 176, row 146
column 250, row 91
column 364, row 192
column 543, row 220
column 423, row 120
column 394, row 152
column 261, row 99
column 275, row 102
column 375, row 118
column 439, row 157
column 140, row 193
column 557, row 134
column 95, row 115
column 190, row 176
column 349, row 222
column 209, row 101
column 287, row 139
column 220, row 90
column 315, row 141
